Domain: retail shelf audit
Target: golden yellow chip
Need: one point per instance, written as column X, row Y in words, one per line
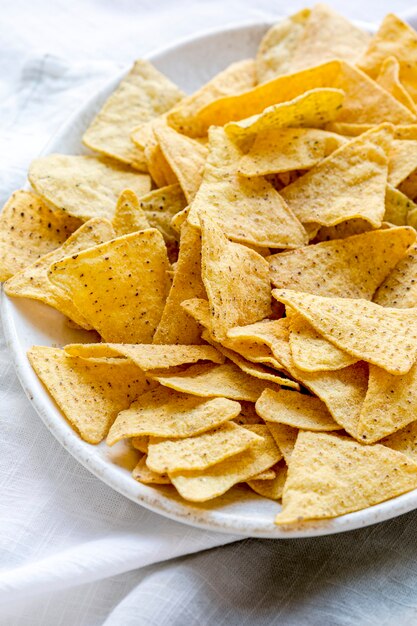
column 389, row 79
column 141, row 443
column 398, row 207
column 288, row 149
column 402, row 160
column 368, row 331
column 248, row 415
column 344, row 229
column 185, row 156
column 353, row 267
column 157, row 165
column 330, row 475
column 29, row 229
column 209, row 380
column 405, row 441
column 272, row 488
column 163, row 412
column 268, row 474
column 84, row 186
column 225, row 267
column 199, row 486
column 399, row 289
column 143, row 94
column 90, row 394
column 350, row 183
column 285, row 437
column 295, row 409
column 143, row 474
column 200, row 452
column 129, row 215
column 120, row 287
column 310, row 109
column 248, row 210
column 33, row 282
column 236, row 78
column 396, row 39
column 176, row 326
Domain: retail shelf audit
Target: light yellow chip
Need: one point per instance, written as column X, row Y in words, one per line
column 84, row 186
column 389, row 79
column 199, row 486
column 209, row 380
column 90, row 394
column 200, row 452
column 353, row 267
column 163, row 412
column 29, row 229
column 248, row 210
column 383, row 336
column 129, row 215
column 330, row 475
column 402, row 160
column 141, row 443
column 143, row 474
column 398, row 207
column 401, row 131
column 120, row 287
column 344, row 229
column 285, row 437
column 268, row 474
column 272, row 488
column 236, row 279
column 176, row 326
column 405, row 441
column 310, row 109
column 143, row 94
column 157, row 165
column 33, row 282
column 399, row 289
column 236, row 78
column 185, row 156
column 350, row 183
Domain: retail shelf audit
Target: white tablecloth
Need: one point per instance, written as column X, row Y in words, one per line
column 72, row 551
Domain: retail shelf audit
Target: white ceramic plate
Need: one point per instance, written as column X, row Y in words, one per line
column 26, row 322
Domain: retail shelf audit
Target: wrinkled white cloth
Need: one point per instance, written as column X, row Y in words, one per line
column 72, row 551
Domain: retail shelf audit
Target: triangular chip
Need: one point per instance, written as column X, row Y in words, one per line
column 129, row 215
column 90, row 394
column 227, row 266
column 350, row 183
column 402, row 160
column 368, row 331
column 120, row 287
column 236, row 78
column 389, row 79
column 28, row 230
column 199, row 486
column 274, row 487
column 33, row 282
column 143, row 94
column 84, row 186
column 185, row 156
column 399, row 289
column 163, row 412
column 143, row 474
column 398, row 207
column 330, row 475
column 285, row 437
column 248, row 210
column 157, row 165
column 405, row 441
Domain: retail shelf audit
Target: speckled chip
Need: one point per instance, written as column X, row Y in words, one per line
column 144, row 474
column 389, row 79
column 399, row 289
column 90, row 394
column 398, row 208
column 285, row 437
column 120, row 287
column 402, row 160
column 405, row 441
column 329, row 475
column 274, row 487
column 163, row 412
column 28, row 230
column 84, row 186
column 129, row 215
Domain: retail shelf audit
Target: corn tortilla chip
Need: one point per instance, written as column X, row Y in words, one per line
column 199, row 486
column 129, row 215
column 285, row 437
column 405, row 441
column 163, row 412
column 143, row 474
column 119, row 286
column 30, row 229
column 402, row 160
column 141, row 443
column 272, row 488
column 389, row 79
column 90, row 394
column 268, row 474
column 330, row 475
column 397, row 207
column 157, row 165
column 399, row 289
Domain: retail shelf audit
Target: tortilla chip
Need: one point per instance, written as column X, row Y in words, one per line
column 285, row 438
column 405, row 441
column 157, row 165
column 299, row 148
column 201, row 452
column 143, row 94
column 33, row 282
column 90, row 394
column 248, row 210
column 399, row 289
column 143, row 474
column 272, row 488
column 310, row 109
column 311, row 351
column 389, row 79
column 176, row 326
column 209, row 381
column 397, row 207
column 226, row 267
column 396, row 39
column 84, row 186
column 163, row 412
column 120, row 286
column 236, row 78
column 295, row 409
column 351, row 267
column 330, row 475
column 185, row 156
column 381, row 336
column 345, row 229
column 402, row 161
column 199, row 486
column 350, row 183
column 129, row 216
column 141, row 443
column 29, row 229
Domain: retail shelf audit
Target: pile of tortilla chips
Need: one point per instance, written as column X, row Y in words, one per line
column 245, row 261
